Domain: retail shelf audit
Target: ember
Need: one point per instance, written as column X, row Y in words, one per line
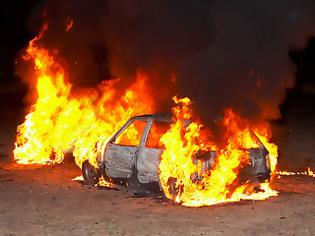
column 69, row 24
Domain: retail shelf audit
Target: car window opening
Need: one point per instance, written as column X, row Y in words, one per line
column 156, row 132
column 131, row 136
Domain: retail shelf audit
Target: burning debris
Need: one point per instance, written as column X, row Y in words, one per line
column 308, row 172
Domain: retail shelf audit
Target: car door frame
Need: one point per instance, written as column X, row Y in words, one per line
column 135, row 155
column 150, row 168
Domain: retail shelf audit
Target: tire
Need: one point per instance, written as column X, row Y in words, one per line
column 90, row 174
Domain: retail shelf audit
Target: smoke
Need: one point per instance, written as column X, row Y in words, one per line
column 223, row 53
column 83, row 47
column 247, row 66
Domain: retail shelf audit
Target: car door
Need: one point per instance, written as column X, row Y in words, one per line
column 121, row 151
column 150, row 152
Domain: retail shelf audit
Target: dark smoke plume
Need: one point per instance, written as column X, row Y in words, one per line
column 223, row 53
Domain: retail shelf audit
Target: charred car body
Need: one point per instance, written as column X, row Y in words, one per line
column 137, row 160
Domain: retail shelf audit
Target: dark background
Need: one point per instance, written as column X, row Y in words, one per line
column 294, row 131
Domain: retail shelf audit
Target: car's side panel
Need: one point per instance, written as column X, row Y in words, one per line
column 148, row 164
column 119, row 160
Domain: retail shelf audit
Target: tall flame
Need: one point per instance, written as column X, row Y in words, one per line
column 64, row 120
column 182, row 142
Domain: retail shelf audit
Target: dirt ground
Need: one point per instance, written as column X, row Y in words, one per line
column 45, row 201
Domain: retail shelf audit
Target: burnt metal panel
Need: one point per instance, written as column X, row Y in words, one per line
column 119, row 160
column 148, row 164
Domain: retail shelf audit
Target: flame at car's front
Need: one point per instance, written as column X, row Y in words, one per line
column 222, row 183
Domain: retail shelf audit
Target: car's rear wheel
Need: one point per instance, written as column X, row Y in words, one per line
column 91, row 174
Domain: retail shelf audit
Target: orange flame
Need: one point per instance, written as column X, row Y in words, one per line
column 221, row 184
column 64, row 120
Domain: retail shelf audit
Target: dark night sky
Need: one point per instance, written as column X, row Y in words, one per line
column 14, row 34
column 14, row 37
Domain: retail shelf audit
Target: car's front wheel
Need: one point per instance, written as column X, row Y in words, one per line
column 90, row 173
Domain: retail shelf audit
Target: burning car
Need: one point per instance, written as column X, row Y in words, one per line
column 137, row 158
column 175, row 155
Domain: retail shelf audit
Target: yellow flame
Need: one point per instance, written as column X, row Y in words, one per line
column 63, row 120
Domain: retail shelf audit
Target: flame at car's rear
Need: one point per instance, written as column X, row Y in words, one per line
column 222, row 183
column 64, row 120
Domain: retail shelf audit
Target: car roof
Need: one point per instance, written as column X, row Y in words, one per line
column 155, row 117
